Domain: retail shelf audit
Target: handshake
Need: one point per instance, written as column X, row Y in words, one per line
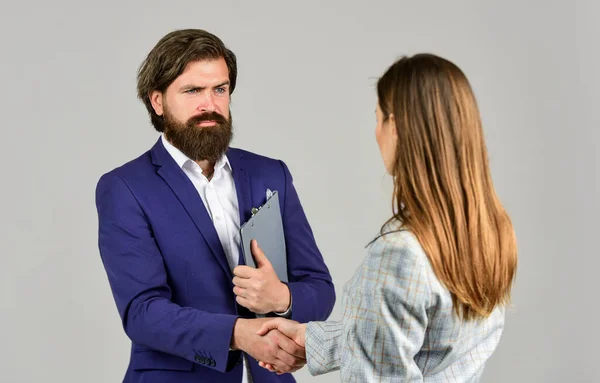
column 277, row 344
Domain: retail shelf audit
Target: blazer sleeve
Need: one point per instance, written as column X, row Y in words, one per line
column 138, row 280
column 310, row 283
column 384, row 319
column 323, row 343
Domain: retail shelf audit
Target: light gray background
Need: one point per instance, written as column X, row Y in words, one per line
column 306, row 80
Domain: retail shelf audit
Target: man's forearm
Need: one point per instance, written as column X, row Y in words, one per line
column 197, row 333
column 313, row 300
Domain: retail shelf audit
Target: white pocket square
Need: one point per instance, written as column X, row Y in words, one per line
column 269, row 193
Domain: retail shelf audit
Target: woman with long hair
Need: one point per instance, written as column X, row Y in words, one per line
column 428, row 302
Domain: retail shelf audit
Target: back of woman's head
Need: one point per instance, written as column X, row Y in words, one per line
column 443, row 190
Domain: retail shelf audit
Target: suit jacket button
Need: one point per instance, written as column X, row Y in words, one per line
column 212, row 363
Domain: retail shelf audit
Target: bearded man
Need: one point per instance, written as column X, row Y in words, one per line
column 169, row 233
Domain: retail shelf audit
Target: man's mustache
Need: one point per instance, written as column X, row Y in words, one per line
column 209, row 116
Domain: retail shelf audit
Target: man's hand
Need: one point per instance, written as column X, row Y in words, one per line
column 274, row 348
column 260, row 290
column 291, row 329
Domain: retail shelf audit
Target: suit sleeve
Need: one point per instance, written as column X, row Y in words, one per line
column 138, row 280
column 310, row 283
column 383, row 323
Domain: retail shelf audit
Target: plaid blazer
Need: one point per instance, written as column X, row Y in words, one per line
column 398, row 324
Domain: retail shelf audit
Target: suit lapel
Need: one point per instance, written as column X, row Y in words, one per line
column 243, row 189
column 191, row 201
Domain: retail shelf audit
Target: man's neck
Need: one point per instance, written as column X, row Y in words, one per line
column 207, row 167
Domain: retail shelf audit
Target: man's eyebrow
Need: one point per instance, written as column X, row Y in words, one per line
column 190, row 87
column 196, row 87
column 222, row 84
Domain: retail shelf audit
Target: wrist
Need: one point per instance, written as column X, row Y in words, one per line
column 302, row 335
column 283, row 303
column 237, row 337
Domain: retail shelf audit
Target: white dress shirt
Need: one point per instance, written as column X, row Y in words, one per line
column 220, row 199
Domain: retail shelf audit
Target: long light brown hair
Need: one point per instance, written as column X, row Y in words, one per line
column 443, row 190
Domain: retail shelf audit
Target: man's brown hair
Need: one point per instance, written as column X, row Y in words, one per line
column 169, row 58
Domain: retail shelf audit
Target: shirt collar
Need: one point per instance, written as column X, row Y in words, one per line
column 181, row 159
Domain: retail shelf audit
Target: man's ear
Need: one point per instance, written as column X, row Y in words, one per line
column 156, row 99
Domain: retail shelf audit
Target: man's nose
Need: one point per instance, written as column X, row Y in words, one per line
column 207, row 104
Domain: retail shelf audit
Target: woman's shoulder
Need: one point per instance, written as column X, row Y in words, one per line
column 393, row 236
column 397, row 266
column 398, row 245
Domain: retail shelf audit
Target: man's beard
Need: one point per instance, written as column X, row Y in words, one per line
column 200, row 143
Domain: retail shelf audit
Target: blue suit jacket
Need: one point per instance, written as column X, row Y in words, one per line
column 169, row 274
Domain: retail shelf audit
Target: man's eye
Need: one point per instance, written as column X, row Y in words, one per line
column 220, row 90
column 191, row 91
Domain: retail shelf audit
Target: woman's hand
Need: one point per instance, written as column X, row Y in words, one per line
column 292, row 329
